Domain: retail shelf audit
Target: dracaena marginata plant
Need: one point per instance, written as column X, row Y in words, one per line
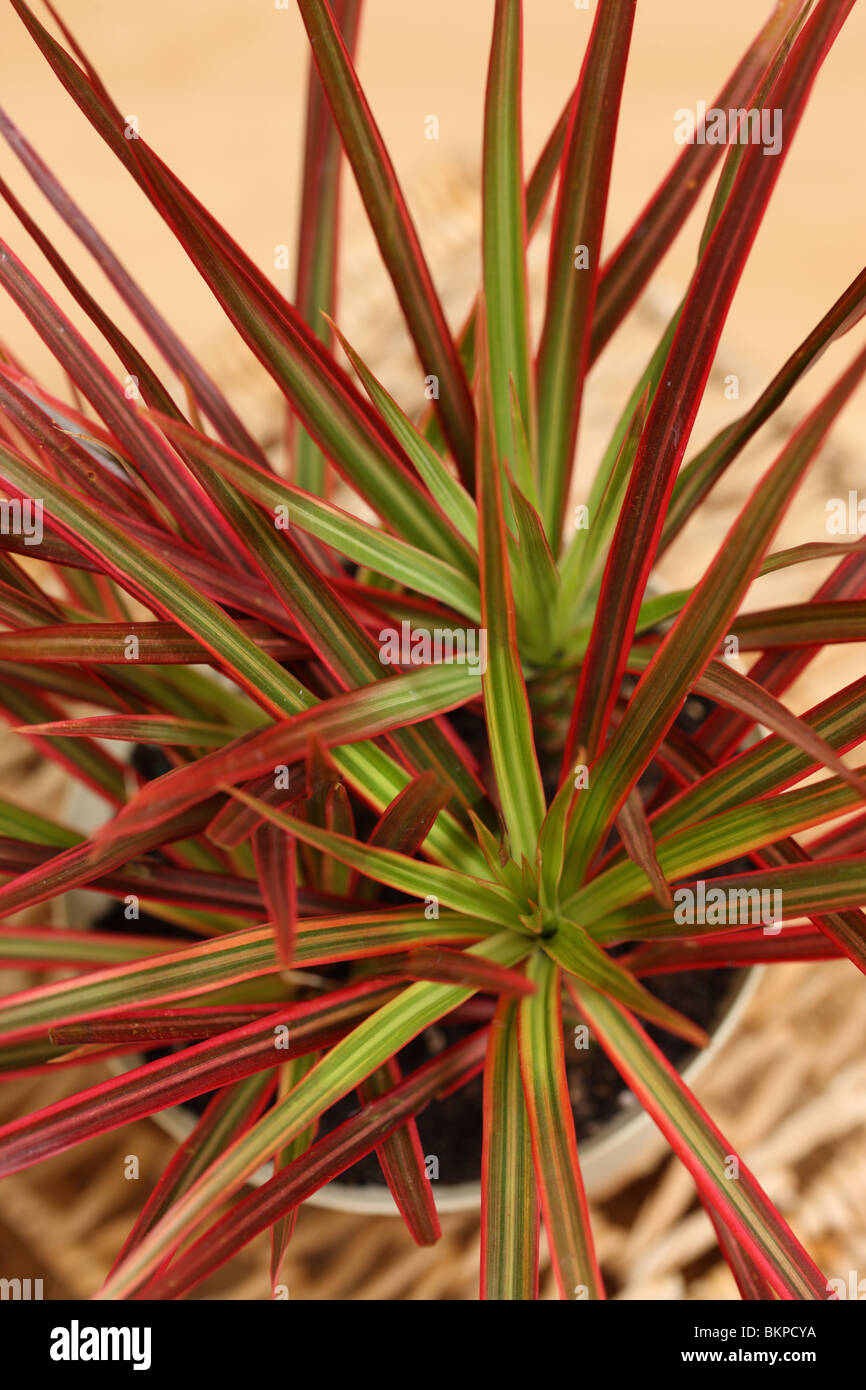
column 347, row 868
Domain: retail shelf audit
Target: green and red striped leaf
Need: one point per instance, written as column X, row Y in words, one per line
column 509, row 1196
column 723, row 1180
column 551, row 1128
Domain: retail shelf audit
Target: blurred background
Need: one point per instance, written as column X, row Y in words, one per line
column 219, row 90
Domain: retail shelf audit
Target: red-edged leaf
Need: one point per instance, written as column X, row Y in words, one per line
column 776, row 670
column 722, row 1178
column 748, row 1277
column 506, row 706
column 577, row 231
column 504, row 232
column 790, row 891
column 196, row 1070
column 227, row 1115
column 347, row 430
column 142, row 728
column 551, row 1127
column 457, row 967
column 331, row 1156
column 207, row 393
column 155, row 461
column 846, row 928
column 316, row 270
column 87, row 760
column 200, row 969
column 148, row 1026
column 672, row 413
column 401, row 1159
column 802, row 624
column 475, row 897
column 729, row 687
column 629, row 267
column 47, row 948
column 509, row 1196
column 357, row 714
column 686, row 648
column 637, row 837
column 405, row 824
column 700, row 474
column 730, row 950
column 341, row 1069
column 572, row 947
column 116, row 644
column 395, row 231
column 274, row 852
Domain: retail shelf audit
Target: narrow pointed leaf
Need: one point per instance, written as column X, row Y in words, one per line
column 401, row 1159
column 740, row 1203
column 459, row 891
column 315, row 277
column 394, row 230
column 551, row 1127
column 227, row 1115
column 274, row 852
column 674, row 408
column 579, row 954
column 509, row 1197
column 575, row 256
column 237, row 956
column 686, row 649
column 506, row 707
column 504, row 231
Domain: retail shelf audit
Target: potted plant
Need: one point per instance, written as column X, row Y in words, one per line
column 439, row 782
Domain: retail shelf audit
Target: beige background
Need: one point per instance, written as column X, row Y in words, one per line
column 218, row 88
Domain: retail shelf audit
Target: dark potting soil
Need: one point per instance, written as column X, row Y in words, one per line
column 450, row 1128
